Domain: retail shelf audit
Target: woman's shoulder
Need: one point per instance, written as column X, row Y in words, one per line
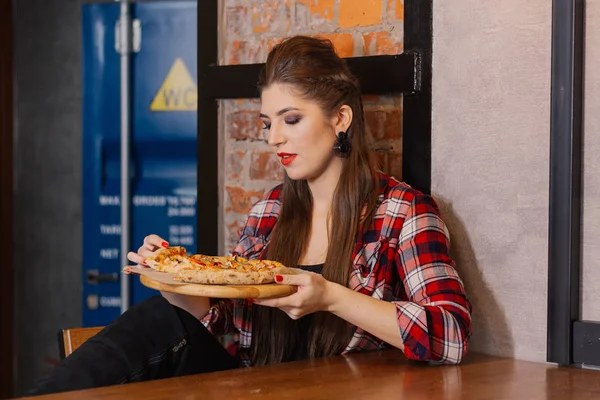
column 269, row 203
column 392, row 188
column 264, row 213
column 401, row 196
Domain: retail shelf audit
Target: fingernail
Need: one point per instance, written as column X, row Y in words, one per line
column 251, row 301
column 278, row 278
column 165, row 244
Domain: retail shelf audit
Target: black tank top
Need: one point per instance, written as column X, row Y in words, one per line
column 316, row 268
column 303, row 324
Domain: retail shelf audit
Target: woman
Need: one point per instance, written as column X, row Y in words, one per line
column 376, row 251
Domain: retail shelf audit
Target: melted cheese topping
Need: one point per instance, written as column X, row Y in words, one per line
column 236, row 263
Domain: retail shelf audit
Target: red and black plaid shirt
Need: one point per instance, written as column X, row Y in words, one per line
column 403, row 258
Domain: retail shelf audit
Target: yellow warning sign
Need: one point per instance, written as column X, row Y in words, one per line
column 178, row 92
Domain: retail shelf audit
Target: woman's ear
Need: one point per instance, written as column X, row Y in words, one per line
column 343, row 119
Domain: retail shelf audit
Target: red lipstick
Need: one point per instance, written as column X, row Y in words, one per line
column 286, row 158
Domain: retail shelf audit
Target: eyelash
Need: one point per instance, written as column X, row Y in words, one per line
column 289, row 122
column 293, row 121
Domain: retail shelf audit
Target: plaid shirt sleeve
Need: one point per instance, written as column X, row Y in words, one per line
column 435, row 324
column 218, row 319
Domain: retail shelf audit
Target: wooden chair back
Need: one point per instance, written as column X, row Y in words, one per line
column 70, row 339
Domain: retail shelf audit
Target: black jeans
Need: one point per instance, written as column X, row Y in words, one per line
column 152, row 340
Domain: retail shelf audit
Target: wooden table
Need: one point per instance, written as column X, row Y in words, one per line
column 374, row 376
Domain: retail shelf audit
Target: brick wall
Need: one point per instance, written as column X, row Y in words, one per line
column 249, row 29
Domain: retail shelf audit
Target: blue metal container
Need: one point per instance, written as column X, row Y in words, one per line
column 163, row 143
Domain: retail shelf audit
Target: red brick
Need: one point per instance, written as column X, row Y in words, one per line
column 235, row 166
column 245, row 52
column 343, row 43
column 382, row 160
column 237, row 21
column 313, row 13
column 359, row 13
column 247, row 104
column 241, row 200
column 272, row 17
column 382, row 102
column 244, row 125
column 271, row 42
column 384, row 124
column 322, row 8
column 265, row 166
column 399, row 9
column 395, row 164
column 380, row 43
column 369, row 99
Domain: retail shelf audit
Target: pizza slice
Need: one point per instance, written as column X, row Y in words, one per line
column 231, row 270
column 215, row 270
column 171, row 260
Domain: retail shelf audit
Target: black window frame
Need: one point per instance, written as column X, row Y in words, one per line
column 571, row 341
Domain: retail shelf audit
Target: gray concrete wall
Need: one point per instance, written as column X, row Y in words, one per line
column 48, row 180
column 591, row 167
column 491, row 129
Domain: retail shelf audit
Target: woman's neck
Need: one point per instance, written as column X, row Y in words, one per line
column 323, row 187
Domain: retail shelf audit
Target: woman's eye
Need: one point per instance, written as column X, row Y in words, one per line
column 266, row 126
column 292, row 121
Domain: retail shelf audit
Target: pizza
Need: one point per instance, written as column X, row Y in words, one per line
column 171, row 260
column 215, row 270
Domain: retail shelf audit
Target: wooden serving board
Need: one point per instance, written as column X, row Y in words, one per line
column 269, row 290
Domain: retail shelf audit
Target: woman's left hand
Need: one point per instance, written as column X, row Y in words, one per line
column 314, row 294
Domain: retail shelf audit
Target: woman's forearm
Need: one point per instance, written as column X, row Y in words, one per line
column 197, row 306
column 378, row 317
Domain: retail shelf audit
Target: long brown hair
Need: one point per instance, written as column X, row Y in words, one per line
column 316, row 73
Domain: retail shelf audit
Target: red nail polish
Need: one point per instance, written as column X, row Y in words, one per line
column 165, row 244
column 278, row 278
column 251, row 301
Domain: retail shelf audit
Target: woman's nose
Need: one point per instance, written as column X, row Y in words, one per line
column 275, row 137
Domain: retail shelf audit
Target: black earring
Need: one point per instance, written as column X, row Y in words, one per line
column 342, row 147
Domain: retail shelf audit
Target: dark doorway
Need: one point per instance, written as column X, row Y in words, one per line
column 6, row 198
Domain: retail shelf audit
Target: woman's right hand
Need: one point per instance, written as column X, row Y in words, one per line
column 197, row 306
column 150, row 245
